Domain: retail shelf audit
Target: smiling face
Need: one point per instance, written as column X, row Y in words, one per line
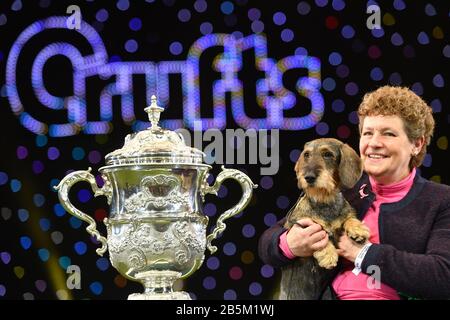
column 386, row 149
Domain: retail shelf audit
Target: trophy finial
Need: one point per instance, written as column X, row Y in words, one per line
column 153, row 112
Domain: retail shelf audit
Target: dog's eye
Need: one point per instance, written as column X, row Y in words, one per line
column 306, row 155
column 327, row 154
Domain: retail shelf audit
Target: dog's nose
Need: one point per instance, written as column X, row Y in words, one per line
column 310, row 179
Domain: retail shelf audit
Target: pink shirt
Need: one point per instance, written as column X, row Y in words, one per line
column 349, row 286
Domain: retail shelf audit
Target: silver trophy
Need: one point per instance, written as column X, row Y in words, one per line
column 155, row 186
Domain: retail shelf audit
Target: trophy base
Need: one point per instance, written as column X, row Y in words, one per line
column 180, row 295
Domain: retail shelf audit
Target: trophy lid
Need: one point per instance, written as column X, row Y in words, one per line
column 154, row 145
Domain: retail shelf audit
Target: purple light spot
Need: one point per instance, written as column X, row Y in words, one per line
column 266, row 182
column 294, row 155
column 6, row 257
column 200, row 6
column 322, row 128
column 210, row 209
column 427, row 160
column 438, row 81
column 41, row 285
column 321, row 3
column 397, row 39
column 53, row 153
column 446, row 51
column 300, row 51
column 376, row 74
column 287, row 35
column 227, row 7
column 395, row 79
column 84, row 195
column 430, row 10
column 229, row 248
column 279, row 18
column 351, row 88
column 213, row 263
column 270, row 219
column 417, row 88
column 22, row 152
column 230, row 294
column 99, row 180
column 131, row 45
column 408, row 52
column 353, row 117
column 102, row 15
column 206, row 28
column 254, row 14
column 115, row 58
column 3, row 19
column 135, row 24
column 176, row 48
column 335, row 58
column 257, row 26
column 436, row 105
column 338, row 5
column 2, row 290
column 422, row 38
column 267, row 271
column 184, row 15
column 303, row 8
column 342, row 71
column 348, row 32
column 255, row 289
column 38, row 166
column 282, row 202
column 338, row 105
column 94, row 157
column 209, row 283
column 248, row 231
column 377, row 33
column 399, row 5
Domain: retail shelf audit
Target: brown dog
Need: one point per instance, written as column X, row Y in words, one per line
column 324, row 168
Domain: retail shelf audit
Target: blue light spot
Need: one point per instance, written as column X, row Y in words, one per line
column 176, row 48
column 78, row 153
column 15, row 185
column 206, row 28
column 395, row 79
column 399, row 5
column 101, row 15
column 300, row 51
column 279, row 18
column 348, row 32
column 422, row 38
column 3, row 178
column 321, row 3
column 38, row 200
column 210, row 209
column 223, row 191
column 102, row 264
column 230, row 294
column 335, row 58
column 376, row 74
column 25, row 242
column 396, row 39
column 23, row 215
column 378, row 33
column 80, row 247
column 338, row 105
column 53, row 183
column 353, row 117
column 44, row 224
column 209, row 283
column 84, row 195
column 75, row 222
column 329, row 84
column 59, row 210
column 44, row 254
column 322, row 128
column 135, row 24
column 131, row 45
column 430, row 10
column 96, row 288
column 438, row 81
column 287, row 35
column 184, row 15
column 446, row 51
column 248, row 231
column 123, row 5
column 294, row 155
column 213, row 263
column 41, row 140
column 255, row 289
column 64, row 262
column 417, row 88
column 282, row 202
column 427, row 160
column 338, row 5
column 267, row 271
column 229, row 248
column 270, row 219
column 227, row 7
column 266, row 182
column 436, row 105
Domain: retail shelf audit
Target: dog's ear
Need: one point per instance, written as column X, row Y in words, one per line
column 350, row 167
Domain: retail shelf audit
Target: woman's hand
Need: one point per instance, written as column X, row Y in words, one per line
column 305, row 237
column 347, row 248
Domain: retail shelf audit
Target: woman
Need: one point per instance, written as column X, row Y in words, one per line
column 408, row 253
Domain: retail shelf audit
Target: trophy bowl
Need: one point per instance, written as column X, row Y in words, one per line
column 156, row 229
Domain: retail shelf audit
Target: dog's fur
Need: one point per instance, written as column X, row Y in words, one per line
column 324, row 168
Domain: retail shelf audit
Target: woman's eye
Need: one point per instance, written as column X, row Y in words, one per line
column 390, row 134
column 367, row 133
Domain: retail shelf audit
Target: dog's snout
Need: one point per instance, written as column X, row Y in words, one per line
column 310, row 178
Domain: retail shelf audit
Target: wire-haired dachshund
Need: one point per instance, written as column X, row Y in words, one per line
column 325, row 167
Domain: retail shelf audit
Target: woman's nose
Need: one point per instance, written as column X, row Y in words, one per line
column 375, row 140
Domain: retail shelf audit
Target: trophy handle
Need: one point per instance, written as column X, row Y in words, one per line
column 247, row 186
column 63, row 193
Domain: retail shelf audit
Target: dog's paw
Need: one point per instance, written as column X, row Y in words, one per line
column 327, row 259
column 359, row 234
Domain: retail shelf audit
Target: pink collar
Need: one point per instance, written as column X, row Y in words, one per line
column 395, row 187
